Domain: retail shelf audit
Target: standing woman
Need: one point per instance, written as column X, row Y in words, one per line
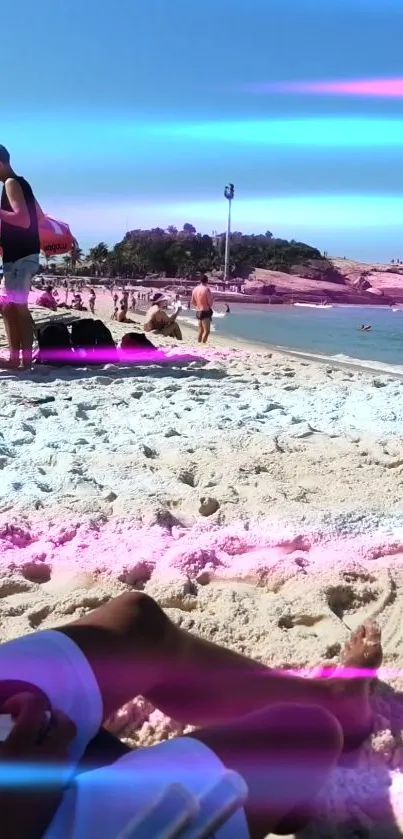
column 20, row 214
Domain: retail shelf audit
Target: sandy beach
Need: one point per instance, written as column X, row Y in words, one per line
column 272, row 483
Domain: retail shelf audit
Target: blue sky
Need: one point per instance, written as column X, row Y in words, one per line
column 129, row 114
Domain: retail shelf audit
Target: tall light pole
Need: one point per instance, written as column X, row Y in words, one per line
column 229, row 192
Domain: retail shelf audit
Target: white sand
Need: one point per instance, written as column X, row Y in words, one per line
column 103, row 476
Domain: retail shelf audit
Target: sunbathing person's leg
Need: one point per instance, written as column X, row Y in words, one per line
column 285, row 755
column 134, row 649
column 129, row 647
column 172, row 330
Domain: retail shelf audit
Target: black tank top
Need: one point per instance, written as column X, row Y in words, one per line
column 18, row 242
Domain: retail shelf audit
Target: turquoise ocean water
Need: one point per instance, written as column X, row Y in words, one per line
column 333, row 333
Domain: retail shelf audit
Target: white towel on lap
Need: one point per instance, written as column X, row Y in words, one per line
column 100, row 803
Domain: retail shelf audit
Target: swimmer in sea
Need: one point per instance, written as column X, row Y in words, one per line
column 364, row 328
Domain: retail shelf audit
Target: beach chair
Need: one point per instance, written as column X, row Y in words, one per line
column 177, row 814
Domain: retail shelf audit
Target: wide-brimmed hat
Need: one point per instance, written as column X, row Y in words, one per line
column 159, row 298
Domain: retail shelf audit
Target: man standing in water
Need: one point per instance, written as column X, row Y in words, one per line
column 202, row 301
column 19, row 234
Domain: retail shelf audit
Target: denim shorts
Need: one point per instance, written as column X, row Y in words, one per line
column 18, row 277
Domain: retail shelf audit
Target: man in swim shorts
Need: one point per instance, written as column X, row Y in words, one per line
column 281, row 734
column 202, row 301
column 20, row 214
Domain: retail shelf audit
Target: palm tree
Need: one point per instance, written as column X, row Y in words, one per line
column 67, row 260
column 76, row 256
column 98, row 256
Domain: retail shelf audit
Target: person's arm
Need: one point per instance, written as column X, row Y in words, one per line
column 27, row 809
column 39, row 212
column 193, row 301
column 149, row 320
column 18, row 216
column 210, row 298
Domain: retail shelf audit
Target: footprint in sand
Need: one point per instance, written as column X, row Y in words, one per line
column 188, row 477
column 359, row 595
column 36, row 618
column 48, row 412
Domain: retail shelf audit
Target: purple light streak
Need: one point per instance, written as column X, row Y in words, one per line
column 369, row 88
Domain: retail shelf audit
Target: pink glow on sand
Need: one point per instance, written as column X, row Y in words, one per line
column 204, row 553
column 201, row 553
column 376, row 88
column 109, row 355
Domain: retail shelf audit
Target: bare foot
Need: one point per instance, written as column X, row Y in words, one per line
column 364, row 649
column 350, row 694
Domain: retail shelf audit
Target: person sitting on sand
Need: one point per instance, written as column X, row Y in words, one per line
column 202, row 301
column 47, row 299
column 124, row 303
column 77, row 302
column 121, row 316
column 282, row 734
column 158, row 321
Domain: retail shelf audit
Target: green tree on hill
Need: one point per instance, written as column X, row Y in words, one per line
column 180, row 253
column 98, row 257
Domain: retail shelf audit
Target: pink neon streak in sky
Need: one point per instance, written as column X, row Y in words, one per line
column 388, row 88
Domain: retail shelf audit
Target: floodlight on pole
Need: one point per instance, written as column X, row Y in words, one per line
column 229, row 192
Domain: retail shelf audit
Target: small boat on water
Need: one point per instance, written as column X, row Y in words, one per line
column 314, row 305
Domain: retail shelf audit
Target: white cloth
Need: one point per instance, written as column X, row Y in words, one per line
column 100, row 803
column 105, row 800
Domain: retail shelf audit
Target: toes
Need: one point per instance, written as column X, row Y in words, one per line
column 372, row 632
column 364, row 643
column 358, row 634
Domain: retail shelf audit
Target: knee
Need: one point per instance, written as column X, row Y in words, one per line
column 302, row 727
column 143, row 616
column 324, row 726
